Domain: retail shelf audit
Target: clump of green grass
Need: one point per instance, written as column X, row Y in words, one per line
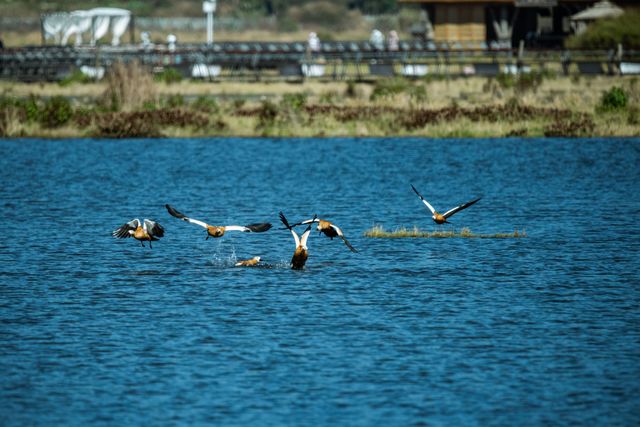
column 76, row 77
column 389, row 87
column 168, row 76
column 378, row 231
column 615, row 99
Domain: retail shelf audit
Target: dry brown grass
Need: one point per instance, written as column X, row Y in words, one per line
column 341, row 115
column 128, row 87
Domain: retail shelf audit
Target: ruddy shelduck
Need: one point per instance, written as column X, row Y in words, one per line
column 330, row 230
column 148, row 231
column 248, row 262
column 442, row 218
column 301, row 253
column 219, row 230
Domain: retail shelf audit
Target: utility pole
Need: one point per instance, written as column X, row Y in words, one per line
column 209, row 7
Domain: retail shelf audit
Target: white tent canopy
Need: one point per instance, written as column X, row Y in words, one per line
column 602, row 9
column 97, row 22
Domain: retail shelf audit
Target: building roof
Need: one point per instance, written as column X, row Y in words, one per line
column 602, row 9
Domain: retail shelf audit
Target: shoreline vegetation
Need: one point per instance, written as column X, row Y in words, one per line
column 130, row 102
column 378, row 231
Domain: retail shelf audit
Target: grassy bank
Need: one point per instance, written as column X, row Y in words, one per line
column 130, row 103
column 399, row 233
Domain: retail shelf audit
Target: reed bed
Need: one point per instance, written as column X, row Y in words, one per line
column 378, row 231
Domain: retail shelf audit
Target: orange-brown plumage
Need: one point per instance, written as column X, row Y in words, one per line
column 146, row 231
column 301, row 253
column 248, row 262
column 439, row 218
column 215, row 231
column 299, row 258
column 219, row 230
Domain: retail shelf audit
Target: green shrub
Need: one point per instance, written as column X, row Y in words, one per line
column 238, row 103
column 76, row 77
column 206, row 104
column 615, row 99
column 385, row 88
column 168, row 76
column 56, row 112
column 32, row 109
column 267, row 114
column 149, row 106
column 294, row 101
column 521, row 82
column 174, row 101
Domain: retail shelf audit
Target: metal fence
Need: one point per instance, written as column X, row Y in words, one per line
column 358, row 60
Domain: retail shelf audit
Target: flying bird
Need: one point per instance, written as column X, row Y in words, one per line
column 442, row 218
column 301, row 253
column 147, row 231
column 330, row 230
column 248, row 262
column 219, row 230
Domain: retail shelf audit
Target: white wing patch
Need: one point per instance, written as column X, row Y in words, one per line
column 451, row 211
column 309, row 221
column 196, row 222
column 296, row 238
column 433, row 211
column 235, row 228
column 305, row 236
column 335, row 227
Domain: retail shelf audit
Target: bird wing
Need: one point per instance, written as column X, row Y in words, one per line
column 307, row 221
column 451, row 212
column 296, row 239
column 305, row 237
column 153, row 228
column 235, row 228
column 286, row 224
column 181, row 216
column 123, row 231
column 307, row 232
column 346, row 242
column 284, row 220
column 433, row 211
column 260, row 227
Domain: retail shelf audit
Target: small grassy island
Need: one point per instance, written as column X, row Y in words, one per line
column 378, row 231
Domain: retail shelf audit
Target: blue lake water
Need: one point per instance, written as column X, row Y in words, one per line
column 543, row 330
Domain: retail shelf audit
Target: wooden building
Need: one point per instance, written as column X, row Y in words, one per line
column 500, row 23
